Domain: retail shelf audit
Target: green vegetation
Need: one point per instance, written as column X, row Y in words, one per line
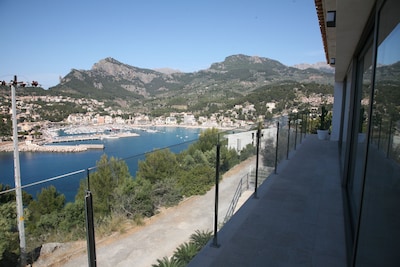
column 5, row 125
column 185, row 252
column 162, row 180
column 9, row 241
column 155, row 93
column 325, row 119
column 202, row 94
column 57, row 112
column 168, row 262
column 283, row 94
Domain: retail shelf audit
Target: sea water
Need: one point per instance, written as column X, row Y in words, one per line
column 39, row 166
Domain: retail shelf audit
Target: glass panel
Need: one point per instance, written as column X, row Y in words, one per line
column 346, row 113
column 360, row 129
column 379, row 235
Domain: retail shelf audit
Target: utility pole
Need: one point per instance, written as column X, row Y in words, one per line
column 17, row 177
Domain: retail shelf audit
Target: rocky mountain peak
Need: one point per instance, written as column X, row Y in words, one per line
column 246, row 62
column 110, row 66
column 322, row 66
column 237, row 74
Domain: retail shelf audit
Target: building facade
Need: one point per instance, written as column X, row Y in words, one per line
column 362, row 41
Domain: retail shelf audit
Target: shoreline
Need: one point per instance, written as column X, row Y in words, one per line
column 85, row 133
column 23, row 147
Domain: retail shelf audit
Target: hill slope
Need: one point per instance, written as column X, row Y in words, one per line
column 111, row 79
column 147, row 90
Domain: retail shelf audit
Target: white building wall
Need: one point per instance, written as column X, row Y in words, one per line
column 239, row 141
column 337, row 110
column 346, row 109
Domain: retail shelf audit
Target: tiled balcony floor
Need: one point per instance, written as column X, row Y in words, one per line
column 297, row 219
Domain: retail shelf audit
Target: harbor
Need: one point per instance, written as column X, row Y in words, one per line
column 30, row 147
column 62, row 144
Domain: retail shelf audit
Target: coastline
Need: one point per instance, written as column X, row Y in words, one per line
column 24, row 147
column 85, row 133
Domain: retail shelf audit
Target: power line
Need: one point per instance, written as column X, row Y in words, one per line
column 54, row 178
column 90, row 168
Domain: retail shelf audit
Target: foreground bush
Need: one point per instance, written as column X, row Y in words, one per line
column 185, row 252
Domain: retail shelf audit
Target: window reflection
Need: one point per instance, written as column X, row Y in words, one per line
column 379, row 233
column 363, row 89
column 386, row 115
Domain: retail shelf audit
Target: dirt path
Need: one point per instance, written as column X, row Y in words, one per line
column 163, row 233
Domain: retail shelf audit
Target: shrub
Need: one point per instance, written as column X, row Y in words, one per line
column 201, row 238
column 168, row 262
column 186, row 252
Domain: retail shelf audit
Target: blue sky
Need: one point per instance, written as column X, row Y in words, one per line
column 44, row 39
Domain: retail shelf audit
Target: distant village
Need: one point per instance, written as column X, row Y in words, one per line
column 32, row 125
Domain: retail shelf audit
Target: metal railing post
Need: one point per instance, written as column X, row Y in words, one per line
column 379, row 134
column 276, row 147
column 257, row 159
column 372, row 139
column 91, row 243
column 295, row 136
column 301, row 129
column 306, row 125
column 288, row 140
column 215, row 238
column 389, row 138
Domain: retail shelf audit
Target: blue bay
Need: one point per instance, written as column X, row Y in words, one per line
column 40, row 166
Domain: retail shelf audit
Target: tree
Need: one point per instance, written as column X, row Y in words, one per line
column 158, row 165
column 7, row 197
column 247, row 152
column 269, row 150
column 229, row 158
column 134, row 198
column 49, row 200
column 207, row 141
column 72, row 219
column 9, row 241
column 166, row 193
column 196, row 181
column 188, row 162
column 5, row 125
column 269, row 153
column 4, row 198
column 110, row 174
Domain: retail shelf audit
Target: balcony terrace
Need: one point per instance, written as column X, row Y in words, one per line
column 297, row 218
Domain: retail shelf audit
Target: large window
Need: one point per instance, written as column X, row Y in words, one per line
column 359, row 128
column 379, row 229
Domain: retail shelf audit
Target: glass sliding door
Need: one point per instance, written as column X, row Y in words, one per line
column 358, row 144
column 379, row 228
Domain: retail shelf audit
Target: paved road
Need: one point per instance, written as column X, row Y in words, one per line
column 169, row 229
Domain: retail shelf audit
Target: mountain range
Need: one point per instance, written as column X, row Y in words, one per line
column 128, row 85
